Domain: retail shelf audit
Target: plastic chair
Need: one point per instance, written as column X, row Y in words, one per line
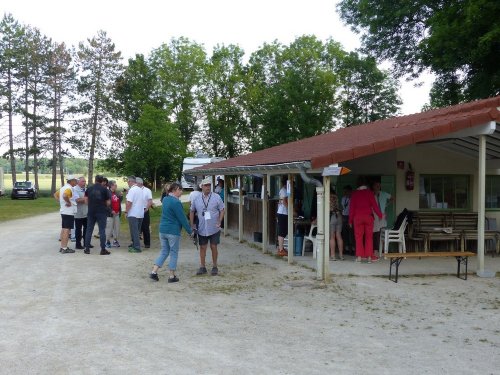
column 392, row 235
column 311, row 238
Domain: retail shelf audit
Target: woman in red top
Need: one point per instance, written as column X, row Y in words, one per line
column 361, row 209
column 113, row 222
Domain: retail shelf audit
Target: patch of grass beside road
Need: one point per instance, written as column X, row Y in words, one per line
column 21, row 208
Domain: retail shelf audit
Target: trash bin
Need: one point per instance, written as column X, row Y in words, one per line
column 298, row 241
column 257, row 237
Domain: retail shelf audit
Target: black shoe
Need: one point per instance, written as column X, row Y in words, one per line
column 147, row 246
column 66, row 251
column 154, row 276
column 86, row 251
column 105, row 252
column 91, row 246
column 79, row 247
column 215, row 271
column 173, row 279
column 201, row 271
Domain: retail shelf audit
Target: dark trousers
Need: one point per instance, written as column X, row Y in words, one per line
column 80, row 230
column 347, row 235
column 146, row 235
column 100, row 219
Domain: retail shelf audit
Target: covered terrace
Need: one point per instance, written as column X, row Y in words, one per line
column 459, row 140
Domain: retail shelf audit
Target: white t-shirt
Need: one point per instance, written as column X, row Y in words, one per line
column 147, row 195
column 282, row 208
column 65, row 210
column 136, row 197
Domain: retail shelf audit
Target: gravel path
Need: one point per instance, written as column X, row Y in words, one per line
column 91, row 314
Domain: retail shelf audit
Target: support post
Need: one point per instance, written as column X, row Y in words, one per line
column 225, row 206
column 265, row 213
column 481, row 209
column 291, row 242
column 240, row 210
column 320, row 236
column 326, row 212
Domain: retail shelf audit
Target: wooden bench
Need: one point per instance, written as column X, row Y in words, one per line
column 430, row 225
column 466, row 222
column 396, row 259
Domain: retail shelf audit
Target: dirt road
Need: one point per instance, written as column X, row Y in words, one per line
column 91, row 314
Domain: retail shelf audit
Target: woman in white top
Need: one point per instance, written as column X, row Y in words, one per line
column 282, row 218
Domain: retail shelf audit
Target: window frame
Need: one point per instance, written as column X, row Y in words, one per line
column 441, row 175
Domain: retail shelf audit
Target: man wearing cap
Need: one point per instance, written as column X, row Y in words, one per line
column 148, row 202
column 98, row 199
column 134, row 210
column 209, row 209
column 66, row 198
column 81, row 212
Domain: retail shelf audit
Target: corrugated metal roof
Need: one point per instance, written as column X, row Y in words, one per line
column 375, row 137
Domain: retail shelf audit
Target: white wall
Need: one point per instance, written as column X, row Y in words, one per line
column 425, row 159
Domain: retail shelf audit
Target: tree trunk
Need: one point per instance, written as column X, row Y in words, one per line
column 11, row 136
column 54, row 148
column 26, row 133
column 59, row 145
column 94, row 136
column 35, row 141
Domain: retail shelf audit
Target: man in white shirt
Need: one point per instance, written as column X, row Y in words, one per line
column 67, row 202
column 282, row 217
column 148, row 203
column 135, row 213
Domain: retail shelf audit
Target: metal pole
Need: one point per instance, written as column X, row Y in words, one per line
column 291, row 234
column 240, row 211
column 326, row 252
column 320, row 237
column 265, row 213
column 481, row 209
column 225, row 206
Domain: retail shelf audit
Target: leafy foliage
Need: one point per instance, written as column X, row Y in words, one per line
column 458, row 40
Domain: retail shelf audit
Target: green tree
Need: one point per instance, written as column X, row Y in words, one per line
column 33, row 74
column 100, row 67
column 179, row 68
column 367, row 94
column 61, row 84
column 154, row 147
column 136, row 87
column 457, row 40
column 291, row 92
column 223, row 103
column 11, row 33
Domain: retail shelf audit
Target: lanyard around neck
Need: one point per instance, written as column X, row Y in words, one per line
column 208, row 201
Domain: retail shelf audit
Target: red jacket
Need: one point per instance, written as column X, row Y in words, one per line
column 363, row 203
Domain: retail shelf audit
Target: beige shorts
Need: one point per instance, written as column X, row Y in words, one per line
column 336, row 223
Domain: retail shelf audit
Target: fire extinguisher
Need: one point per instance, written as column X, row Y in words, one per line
column 410, row 178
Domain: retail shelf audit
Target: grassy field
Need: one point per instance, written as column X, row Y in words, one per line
column 20, row 208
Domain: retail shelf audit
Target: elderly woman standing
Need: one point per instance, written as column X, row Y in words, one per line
column 361, row 210
column 172, row 221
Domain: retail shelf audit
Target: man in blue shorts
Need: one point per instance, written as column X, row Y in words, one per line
column 209, row 209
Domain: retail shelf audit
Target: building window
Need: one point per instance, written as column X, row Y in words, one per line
column 492, row 192
column 444, row 192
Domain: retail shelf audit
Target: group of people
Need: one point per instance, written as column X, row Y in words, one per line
column 361, row 214
column 81, row 207
column 206, row 215
column 355, row 220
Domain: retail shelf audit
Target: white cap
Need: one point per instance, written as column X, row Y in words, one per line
column 70, row 177
column 206, row 181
